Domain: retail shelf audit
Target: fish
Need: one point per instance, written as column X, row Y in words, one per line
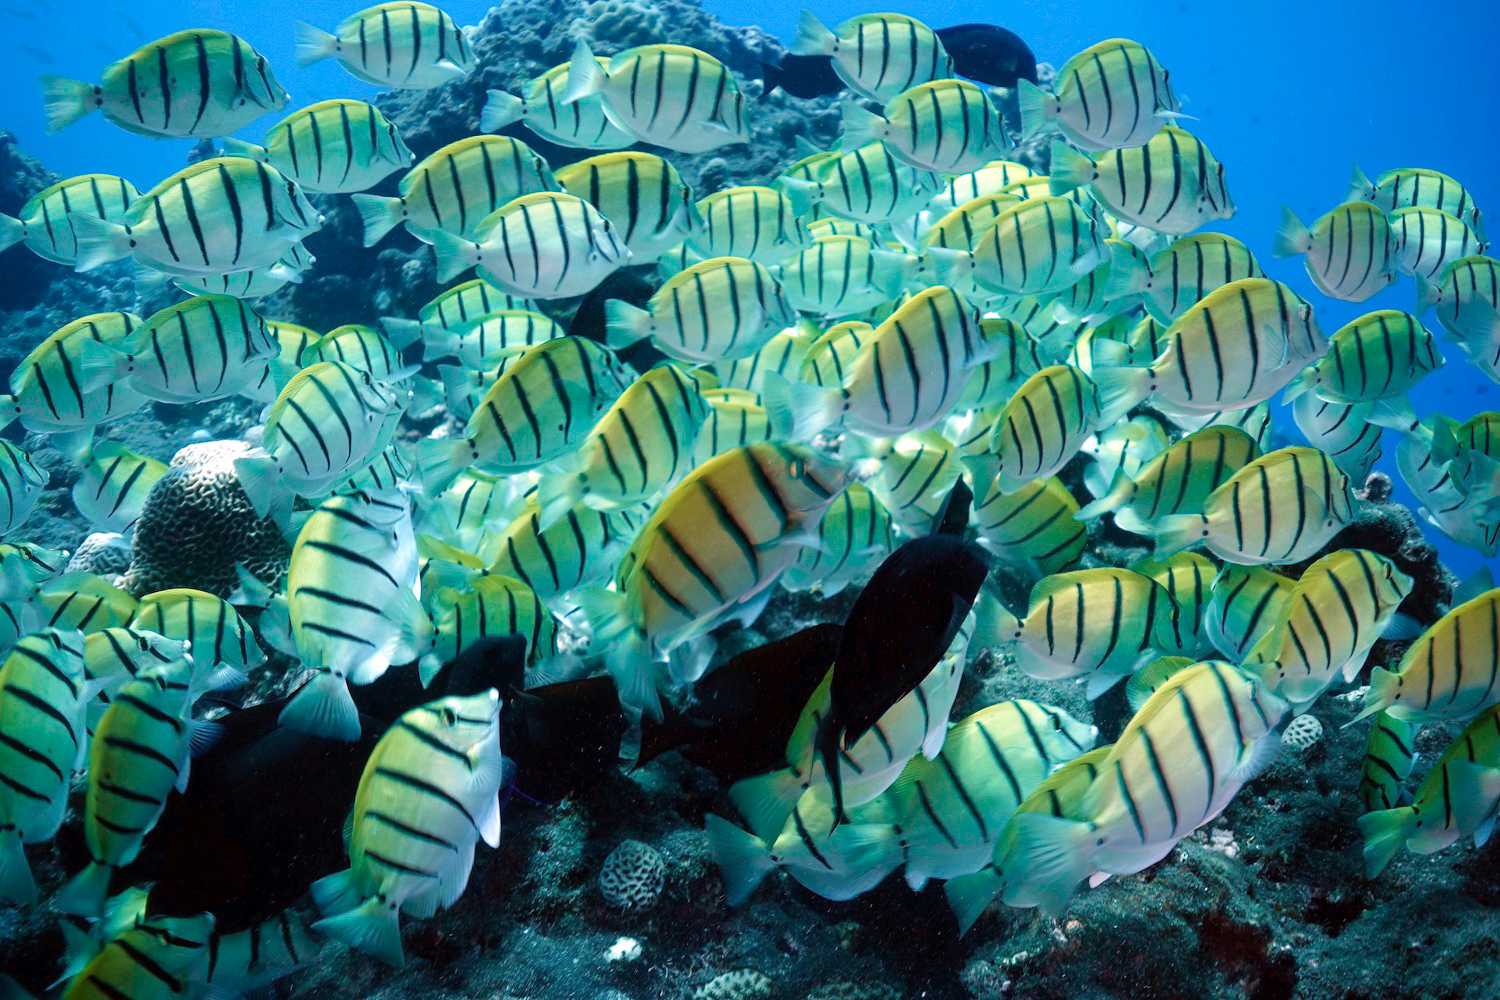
column 44, row 224
column 331, row 147
column 783, row 354
column 1038, row 246
column 1467, row 297
column 1444, row 503
column 856, row 533
column 217, row 216
column 995, row 381
column 156, row 959
column 962, row 228
column 490, row 606
column 693, row 104
column 252, row 284
column 490, row 338
column 44, row 391
column 1348, row 601
column 407, row 45
column 199, row 83
column 1428, row 239
column 1126, row 448
column 988, row 53
column 1112, row 95
column 866, row 184
column 1350, row 253
column 1181, row 759
column 1035, row 526
column 429, row 793
column 877, row 55
column 1181, row 274
column 943, row 126
column 1046, row 422
column 362, row 348
column 710, row 552
column 581, row 124
column 543, row 406
column 220, row 640
column 21, row 483
column 643, row 196
column 580, row 550
column 456, row 188
column 989, row 179
column 1457, row 799
column 735, row 419
column 1280, row 508
column 84, row 601
column 545, row 245
column 1406, row 187
column 953, row 808
column 1379, row 355
column 1171, row 184
column 1179, row 480
column 112, row 656
column 1187, row 577
column 843, row 275
column 1148, row 680
column 1390, row 755
column 44, row 695
column 752, row 221
column 911, row 476
column 454, row 308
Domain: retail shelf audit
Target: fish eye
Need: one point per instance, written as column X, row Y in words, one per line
column 449, row 717
column 143, row 644
column 798, row 468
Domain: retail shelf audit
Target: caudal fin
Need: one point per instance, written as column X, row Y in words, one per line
column 500, row 109
column 12, row 231
column 323, row 707
column 380, row 215
column 1070, row 169
column 99, row 240
column 313, row 44
column 65, row 101
column 371, row 927
column 741, row 856
column 1384, row 832
column 16, row 882
column 1056, row 855
column 454, row 254
column 970, row 895
column 1292, row 237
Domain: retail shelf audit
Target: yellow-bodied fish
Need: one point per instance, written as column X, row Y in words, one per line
column 21, row 485
column 877, row 55
column 1244, row 603
column 1046, row 422
column 461, row 304
column 1390, row 753
column 217, row 636
column 1035, row 247
column 1429, row 239
column 488, row 339
column 1111, row 95
column 735, row 418
column 759, row 223
column 492, row 605
column 1187, row 577
column 867, row 184
column 1177, row 481
column 911, row 475
column 44, row 223
column 1409, row 186
column 783, row 354
column 1377, row 356
column 580, row 550
column 1467, row 297
column 1350, row 253
column 1035, row 526
column 581, row 124
column 1171, row 184
column 643, row 196
column 1451, row 672
column 45, row 392
column 404, row 44
column 1181, row 274
column 157, row 958
column 112, row 489
column 362, row 348
column 843, row 275
column 332, row 147
column 945, row 126
column 720, row 310
column 856, row 533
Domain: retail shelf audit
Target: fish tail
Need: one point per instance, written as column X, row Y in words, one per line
column 861, row 125
column 1055, row 855
column 766, row 800
column 1292, row 237
column 1177, row 531
column 970, row 895
column 12, row 231
column 1070, row 169
column 1112, row 500
column 16, row 882
column 314, row 44
column 379, row 214
column 1384, row 688
column 1127, row 274
column 1305, row 380
column 99, row 240
column 257, row 477
column 1119, row 390
column 440, row 461
column 624, row 324
column 402, row 333
column 323, row 707
column 585, row 75
column 555, row 496
column 813, row 39
column 801, row 191
column 371, row 927
column 798, row 411
column 1384, row 832
column 947, row 265
column 1360, row 188
column 500, row 110
column 84, row 894
column 1428, row 295
column 65, row 100
column 743, row 857
column 1036, row 107
column 629, row 661
column 454, row 254
column 239, row 147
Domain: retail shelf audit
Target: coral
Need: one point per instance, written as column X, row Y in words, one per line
column 626, row 950
column 620, row 22
column 197, row 523
column 741, row 984
column 632, row 876
column 844, row 989
column 103, row 553
column 1302, row 734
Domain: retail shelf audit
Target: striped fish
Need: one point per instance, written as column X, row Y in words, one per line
column 952, row 809
column 543, row 405
column 1181, row 274
column 46, row 392
column 456, row 188
column 986, row 180
column 1188, row 579
column 1429, row 239
column 640, row 446
column 720, row 310
column 1102, row 623
column 964, row 225
column 1037, row 316
column 1377, row 356
column 1183, row 757
column 1350, row 253
column 218, row 637
column 43, row 698
column 830, row 356
column 581, row 124
column 1149, row 679
column 711, row 551
column 1177, row 481
column 1411, row 186
column 1342, row 604
column 112, row 656
column 690, row 103
column 1112, row 95
column 642, row 195
column 945, row 126
column 21, row 485
column 84, row 601
column 735, row 419
column 995, row 381
column 1038, row 246
column 391, row 469
column 1451, row 672
column 332, row 147
column 828, row 225
column 856, row 534
column 254, row 958
column 1126, row 447
column 139, row 755
column 1046, row 422
column 157, row 958
column 492, row 605
column 1467, row 297
column 1280, row 508
column 1481, row 432
column 191, row 83
column 429, row 793
column 759, row 223
column 1457, row 799
column 362, row 348
column 217, row 216
column 1245, row 602
column 1170, row 184
column 471, row 510
column 877, row 55
column 112, row 489
column 1390, row 753
column 406, row 44
column 843, row 275
column 490, row 338
column 44, row 223
column 580, row 550
column 911, row 476
column 543, row 246
column 1034, row 526
column 867, row 184
column 351, row 606
column 464, row 387
column 252, row 284
column 783, row 354
column 461, row 304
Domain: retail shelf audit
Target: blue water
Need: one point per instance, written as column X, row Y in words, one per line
column 1286, row 94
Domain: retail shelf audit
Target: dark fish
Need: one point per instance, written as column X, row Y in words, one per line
column 801, row 76
column 989, row 53
column 628, row 285
column 898, row 629
column 563, row 737
column 953, row 517
column 744, row 712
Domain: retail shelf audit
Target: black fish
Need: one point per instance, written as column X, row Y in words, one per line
column 628, row 285
column 989, row 53
column 801, row 76
column 744, row 712
column 563, row 737
column 898, row 629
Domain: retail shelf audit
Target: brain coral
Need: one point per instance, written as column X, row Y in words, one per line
column 632, row 876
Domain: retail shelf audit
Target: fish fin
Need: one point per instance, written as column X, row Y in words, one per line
column 413, row 631
column 801, row 189
column 84, row 894
column 454, row 254
column 798, row 411
column 99, row 242
column 370, row 927
column 1395, row 413
column 1479, row 582
column 97, row 364
column 1128, row 274
column 1116, row 496
column 1385, row 831
column 970, row 895
column 17, row 885
column 1429, row 294
column 1484, row 829
column 1070, row 169
column 442, row 460
column 766, row 800
column 585, row 75
column 743, row 858
column 624, row 324
column 629, row 661
column 1099, row 682
column 313, row 44
column 1037, row 109
column 380, row 215
column 861, row 125
column 336, row 893
column 1305, row 380
column 813, row 39
column 1400, row 628
column 1292, row 237
column 1360, row 186
column 947, row 264
column 994, row 626
column 500, row 109
column 12, row 231
column 323, row 707
column 489, row 820
column 1176, row 532
column 1254, row 758
column 402, row 333
column 1055, row 854
column 259, row 480
column 1474, row 792
column 65, row 101
column 231, row 146
column 1119, row 390
column 1384, row 687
